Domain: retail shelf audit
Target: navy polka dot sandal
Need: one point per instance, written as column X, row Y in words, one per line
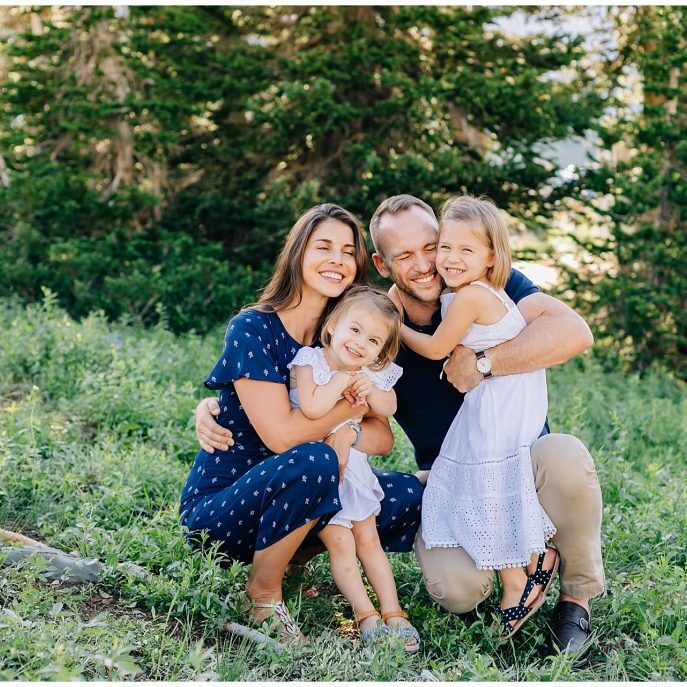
column 522, row 612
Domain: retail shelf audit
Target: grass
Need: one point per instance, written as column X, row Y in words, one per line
column 95, row 442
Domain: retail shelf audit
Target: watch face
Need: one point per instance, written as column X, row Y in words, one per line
column 484, row 365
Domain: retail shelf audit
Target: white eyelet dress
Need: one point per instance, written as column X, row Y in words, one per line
column 360, row 492
column 480, row 494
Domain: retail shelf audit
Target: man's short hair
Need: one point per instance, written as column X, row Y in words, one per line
column 394, row 206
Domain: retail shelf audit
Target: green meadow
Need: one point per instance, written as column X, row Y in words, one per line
column 96, row 438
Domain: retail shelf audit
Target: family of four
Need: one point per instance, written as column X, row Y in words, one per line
column 456, row 352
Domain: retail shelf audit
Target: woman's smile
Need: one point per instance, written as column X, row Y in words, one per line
column 329, row 264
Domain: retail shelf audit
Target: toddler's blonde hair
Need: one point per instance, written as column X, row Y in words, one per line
column 495, row 231
column 373, row 301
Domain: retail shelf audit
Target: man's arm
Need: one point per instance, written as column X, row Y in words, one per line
column 554, row 334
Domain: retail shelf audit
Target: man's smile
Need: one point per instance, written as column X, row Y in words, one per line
column 424, row 280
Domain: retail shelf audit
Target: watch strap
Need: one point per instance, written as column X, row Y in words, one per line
column 358, row 431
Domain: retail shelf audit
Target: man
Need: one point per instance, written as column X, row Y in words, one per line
column 404, row 232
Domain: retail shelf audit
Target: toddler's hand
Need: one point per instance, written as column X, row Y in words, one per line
column 361, row 387
column 396, row 298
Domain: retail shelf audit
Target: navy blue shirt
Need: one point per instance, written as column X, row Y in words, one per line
column 427, row 405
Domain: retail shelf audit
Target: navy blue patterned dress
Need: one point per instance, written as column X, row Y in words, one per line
column 249, row 499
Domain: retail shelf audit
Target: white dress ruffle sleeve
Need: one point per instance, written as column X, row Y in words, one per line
column 360, row 493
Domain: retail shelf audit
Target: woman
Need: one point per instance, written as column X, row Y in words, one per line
column 274, row 487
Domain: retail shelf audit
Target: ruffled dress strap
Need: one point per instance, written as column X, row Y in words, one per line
column 321, row 372
column 385, row 378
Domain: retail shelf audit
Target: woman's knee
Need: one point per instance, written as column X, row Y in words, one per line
column 318, row 459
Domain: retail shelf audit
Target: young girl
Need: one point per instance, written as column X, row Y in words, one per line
column 480, row 494
column 360, row 339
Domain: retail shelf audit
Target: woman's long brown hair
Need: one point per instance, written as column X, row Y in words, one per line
column 285, row 287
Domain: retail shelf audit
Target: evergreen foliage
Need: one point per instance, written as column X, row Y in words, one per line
column 637, row 299
column 156, row 160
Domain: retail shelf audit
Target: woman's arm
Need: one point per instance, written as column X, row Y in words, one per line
column 316, row 400
column 462, row 312
column 278, row 425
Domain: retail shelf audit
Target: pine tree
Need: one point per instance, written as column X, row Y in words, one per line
column 639, row 298
column 156, row 157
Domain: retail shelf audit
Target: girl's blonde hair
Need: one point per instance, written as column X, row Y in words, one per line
column 495, row 230
column 378, row 303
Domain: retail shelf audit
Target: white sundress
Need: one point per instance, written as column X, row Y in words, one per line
column 480, row 494
column 360, row 492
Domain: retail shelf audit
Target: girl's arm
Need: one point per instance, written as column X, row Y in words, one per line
column 316, row 400
column 462, row 312
column 382, row 402
column 278, row 425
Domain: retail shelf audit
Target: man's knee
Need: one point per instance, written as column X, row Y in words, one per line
column 459, row 594
column 451, row 578
column 564, row 462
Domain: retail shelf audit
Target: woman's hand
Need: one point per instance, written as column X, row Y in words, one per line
column 341, row 442
column 210, row 434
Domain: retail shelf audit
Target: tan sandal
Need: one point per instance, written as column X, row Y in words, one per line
column 282, row 622
column 409, row 635
column 368, row 637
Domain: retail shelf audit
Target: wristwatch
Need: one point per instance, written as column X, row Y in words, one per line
column 483, row 364
column 358, row 431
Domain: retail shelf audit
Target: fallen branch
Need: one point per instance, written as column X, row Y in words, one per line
column 69, row 569
column 254, row 635
column 16, row 538
column 64, row 567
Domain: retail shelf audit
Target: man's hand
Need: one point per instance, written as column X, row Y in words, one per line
column 341, row 441
column 554, row 334
column 210, row 434
column 461, row 369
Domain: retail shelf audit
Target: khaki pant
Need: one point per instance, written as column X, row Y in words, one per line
column 569, row 492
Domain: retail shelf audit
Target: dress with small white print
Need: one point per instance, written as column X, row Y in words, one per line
column 480, row 494
column 360, row 493
column 246, row 497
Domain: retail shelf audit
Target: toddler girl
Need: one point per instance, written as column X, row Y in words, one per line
column 360, row 339
column 480, row 494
